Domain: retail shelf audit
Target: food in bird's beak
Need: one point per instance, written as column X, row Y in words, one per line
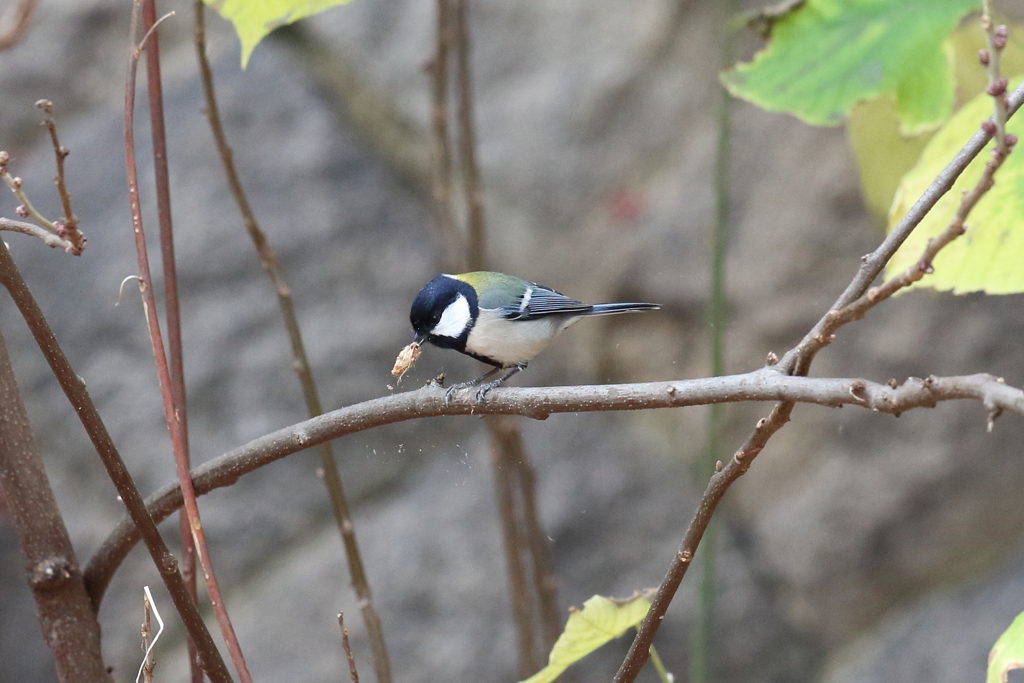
column 406, row 359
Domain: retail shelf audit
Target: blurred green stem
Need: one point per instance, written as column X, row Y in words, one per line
column 717, row 319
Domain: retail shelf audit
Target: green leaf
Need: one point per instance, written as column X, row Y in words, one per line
column 255, row 19
column 988, row 257
column 827, row 55
column 601, row 620
column 1007, row 653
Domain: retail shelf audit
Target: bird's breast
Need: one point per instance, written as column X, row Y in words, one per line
column 513, row 341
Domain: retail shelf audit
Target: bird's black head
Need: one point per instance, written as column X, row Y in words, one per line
column 443, row 312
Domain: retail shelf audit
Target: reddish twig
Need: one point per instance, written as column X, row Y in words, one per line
column 332, row 478
column 174, row 424
column 142, row 522
column 68, row 225
column 161, row 173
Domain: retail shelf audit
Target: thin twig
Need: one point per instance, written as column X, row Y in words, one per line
column 535, row 602
column 48, row 238
column 764, row 384
column 303, row 369
column 163, row 371
column 52, row 234
column 545, row 580
column 798, row 359
column 148, row 639
column 20, row 17
column 801, row 356
column 348, row 649
column 176, row 363
column 476, row 252
column 452, row 243
column 78, row 396
column 995, row 37
column 504, row 436
column 68, row 226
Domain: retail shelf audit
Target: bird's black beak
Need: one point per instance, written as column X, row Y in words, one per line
column 420, row 337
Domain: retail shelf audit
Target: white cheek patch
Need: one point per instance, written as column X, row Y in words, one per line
column 454, row 319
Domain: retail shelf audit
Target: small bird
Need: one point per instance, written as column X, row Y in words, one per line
column 499, row 319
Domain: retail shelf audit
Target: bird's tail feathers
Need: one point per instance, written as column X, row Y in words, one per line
column 611, row 309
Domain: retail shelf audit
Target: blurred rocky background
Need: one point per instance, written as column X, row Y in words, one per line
column 858, row 548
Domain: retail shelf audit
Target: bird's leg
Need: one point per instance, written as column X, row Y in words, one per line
column 482, row 391
column 466, row 385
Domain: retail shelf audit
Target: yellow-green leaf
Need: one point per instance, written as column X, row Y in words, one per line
column 601, row 620
column 1008, row 652
column 827, row 55
column 883, row 154
column 255, row 19
column 988, row 257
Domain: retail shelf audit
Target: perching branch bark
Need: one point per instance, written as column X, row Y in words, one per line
column 766, row 384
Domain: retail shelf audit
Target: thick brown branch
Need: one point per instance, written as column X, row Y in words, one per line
column 69, row 625
column 78, row 395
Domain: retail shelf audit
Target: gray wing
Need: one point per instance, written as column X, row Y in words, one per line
column 539, row 302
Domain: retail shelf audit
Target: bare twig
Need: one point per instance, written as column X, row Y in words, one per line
column 174, row 424
column 33, row 230
column 19, row 16
column 545, row 580
column 78, row 396
column 53, row 234
column 348, row 649
column 148, row 638
column 798, row 361
column 764, row 384
column 505, row 449
column 452, row 242
column 995, row 37
column 332, row 478
column 69, row 624
column 176, row 364
column 534, row 601
column 476, row 255
column 640, row 649
column 68, row 226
